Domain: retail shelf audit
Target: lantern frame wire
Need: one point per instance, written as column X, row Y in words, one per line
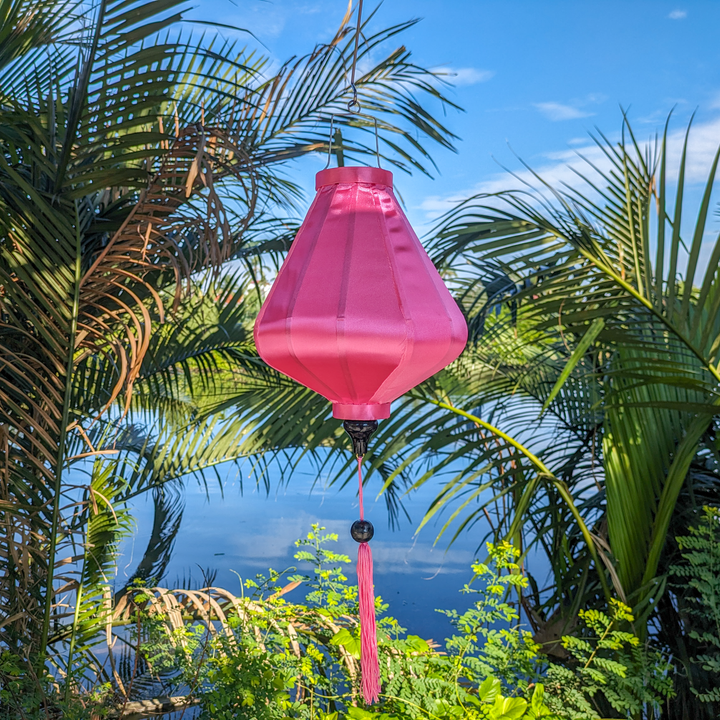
column 353, row 114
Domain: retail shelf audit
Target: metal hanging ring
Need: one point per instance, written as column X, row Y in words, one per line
column 353, row 105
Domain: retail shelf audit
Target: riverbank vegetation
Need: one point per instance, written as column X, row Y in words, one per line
column 264, row 657
column 146, row 197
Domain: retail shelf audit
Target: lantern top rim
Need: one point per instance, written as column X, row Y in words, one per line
column 352, row 175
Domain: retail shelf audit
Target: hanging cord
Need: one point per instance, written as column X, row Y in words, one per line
column 354, row 105
column 360, row 488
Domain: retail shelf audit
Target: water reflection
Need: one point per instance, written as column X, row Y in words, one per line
column 229, row 534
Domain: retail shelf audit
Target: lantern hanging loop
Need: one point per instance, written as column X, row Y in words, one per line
column 358, row 114
column 354, row 105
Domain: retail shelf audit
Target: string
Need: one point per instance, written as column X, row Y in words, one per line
column 360, row 489
column 353, row 105
column 354, row 102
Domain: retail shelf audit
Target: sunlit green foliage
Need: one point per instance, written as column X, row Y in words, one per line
column 277, row 659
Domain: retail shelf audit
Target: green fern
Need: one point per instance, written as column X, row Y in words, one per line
column 608, row 668
column 701, row 572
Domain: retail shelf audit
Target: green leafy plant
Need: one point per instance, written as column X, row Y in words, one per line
column 700, row 575
column 275, row 659
column 330, row 590
column 27, row 696
column 608, row 669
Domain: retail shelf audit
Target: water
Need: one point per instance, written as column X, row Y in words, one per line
column 246, row 533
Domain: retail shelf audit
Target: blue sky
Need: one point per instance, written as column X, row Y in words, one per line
column 533, row 77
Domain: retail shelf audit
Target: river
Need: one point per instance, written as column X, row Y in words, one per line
column 233, row 533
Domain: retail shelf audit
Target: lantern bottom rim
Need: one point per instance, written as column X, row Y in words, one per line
column 368, row 411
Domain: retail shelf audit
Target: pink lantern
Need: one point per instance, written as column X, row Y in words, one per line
column 359, row 314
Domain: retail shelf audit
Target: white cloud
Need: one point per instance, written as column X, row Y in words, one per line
column 566, row 164
column 557, row 111
column 310, row 9
column 466, row 76
column 419, row 558
column 678, row 15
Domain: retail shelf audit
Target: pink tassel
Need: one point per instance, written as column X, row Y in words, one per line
column 366, row 594
column 368, row 633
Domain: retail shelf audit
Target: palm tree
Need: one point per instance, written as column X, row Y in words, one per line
column 592, row 309
column 135, row 156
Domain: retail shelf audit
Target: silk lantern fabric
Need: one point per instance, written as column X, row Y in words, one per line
column 358, row 312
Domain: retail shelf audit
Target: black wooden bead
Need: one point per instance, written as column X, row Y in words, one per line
column 362, row 531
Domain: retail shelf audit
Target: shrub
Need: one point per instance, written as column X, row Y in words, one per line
column 275, row 659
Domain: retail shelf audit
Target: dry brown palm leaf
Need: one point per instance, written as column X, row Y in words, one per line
column 153, row 240
column 215, row 606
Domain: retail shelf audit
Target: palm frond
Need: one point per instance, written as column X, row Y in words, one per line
column 584, row 259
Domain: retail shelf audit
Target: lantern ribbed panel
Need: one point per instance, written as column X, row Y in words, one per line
column 358, row 312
